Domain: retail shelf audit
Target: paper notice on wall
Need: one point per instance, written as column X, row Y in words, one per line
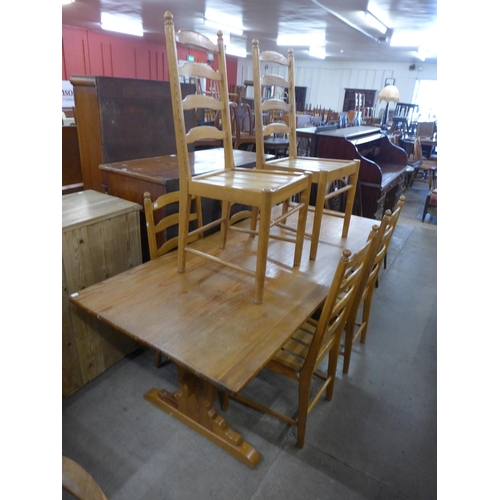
column 68, row 99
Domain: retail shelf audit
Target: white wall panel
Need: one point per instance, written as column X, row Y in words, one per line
column 326, row 81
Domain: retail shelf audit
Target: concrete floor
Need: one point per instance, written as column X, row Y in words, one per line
column 375, row 440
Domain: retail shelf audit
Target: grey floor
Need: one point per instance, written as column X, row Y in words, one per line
column 375, row 440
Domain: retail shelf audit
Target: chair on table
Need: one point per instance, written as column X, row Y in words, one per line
column 422, row 166
column 77, row 481
column 364, row 295
column 316, row 340
column 259, row 189
column 324, row 171
column 430, row 206
column 162, row 222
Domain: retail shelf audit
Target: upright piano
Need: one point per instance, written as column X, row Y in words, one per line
column 382, row 168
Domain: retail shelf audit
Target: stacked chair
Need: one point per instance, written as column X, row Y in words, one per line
column 324, row 171
column 260, row 189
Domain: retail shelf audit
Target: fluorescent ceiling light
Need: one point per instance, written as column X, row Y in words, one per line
column 294, row 40
column 121, row 24
column 223, row 27
column 405, row 38
column 233, row 50
column 375, row 23
column 421, row 54
column 318, row 52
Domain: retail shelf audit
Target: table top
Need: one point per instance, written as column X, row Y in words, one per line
column 205, row 319
column 80, row 208
column 160, row 169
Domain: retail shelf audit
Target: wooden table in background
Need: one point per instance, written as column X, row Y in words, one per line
column 205, row 320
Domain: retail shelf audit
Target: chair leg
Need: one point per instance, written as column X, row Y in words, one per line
column 301, row 225
column 262, row 247
column 303, row 410
column 351, row 197
column 367, row 304
column 253, row 222
column 184, row 208
column 349, row 336
column 157, row 359
column 318, row 214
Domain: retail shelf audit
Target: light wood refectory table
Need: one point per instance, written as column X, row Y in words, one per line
column 206, row 322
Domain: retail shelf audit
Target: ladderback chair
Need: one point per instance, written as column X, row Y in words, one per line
column 324, row 171
column 162, row 218
column 77, row 481
column 242, row 126
column 258, row 189
column 364, row 295
column 300, row 357
column 426, row 129
column 170, row 219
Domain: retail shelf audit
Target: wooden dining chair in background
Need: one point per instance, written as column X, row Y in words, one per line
column 77, row 481
column 256, row 188
column 423, row 167
column 242, row 126
column 324, row 171
column 430, row 205
column 364, row 295
column 300, row 357
column 162, row 227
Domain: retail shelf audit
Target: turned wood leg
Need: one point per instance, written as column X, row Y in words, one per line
column 318, row 214
column 193, row 405
column 301, row 224
column 351, row 196
column 262, row 246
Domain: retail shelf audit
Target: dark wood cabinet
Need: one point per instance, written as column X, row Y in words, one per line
column 121, row 119
column 300, row 98
column 350, row 98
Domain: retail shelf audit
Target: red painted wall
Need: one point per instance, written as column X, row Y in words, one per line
column 86, row 52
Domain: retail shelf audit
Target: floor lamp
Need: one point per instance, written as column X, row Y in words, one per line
column 388, row 94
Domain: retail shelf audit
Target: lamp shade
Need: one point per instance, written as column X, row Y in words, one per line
column 389, row 94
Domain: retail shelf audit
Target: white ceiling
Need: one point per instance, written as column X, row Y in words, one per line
column 348, row 36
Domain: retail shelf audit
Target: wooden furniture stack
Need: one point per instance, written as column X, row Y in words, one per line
column 216, row 335
column 260, row 189
column 100, row 238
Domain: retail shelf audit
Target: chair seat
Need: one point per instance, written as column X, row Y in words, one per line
column 324, row 171
column 246, row 185
column 335, row 168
